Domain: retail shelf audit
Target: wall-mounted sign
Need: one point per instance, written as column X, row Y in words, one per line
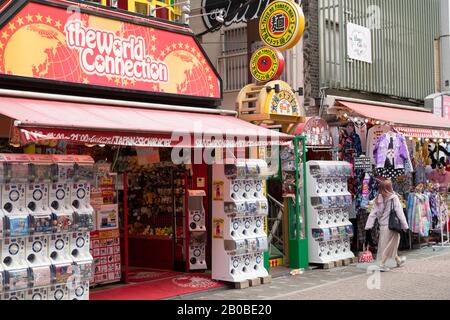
column 43, row 41
column 283, row 102
column 267, row 64
column 359, row 43
column 235, row 11
column 282, row 24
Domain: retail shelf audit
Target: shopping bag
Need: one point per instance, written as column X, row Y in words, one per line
column 365, row 256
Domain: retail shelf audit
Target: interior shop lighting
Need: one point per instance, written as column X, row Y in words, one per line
column 90, row 145
column 411, row 138
column 356, row 119
column 378, row 122
column 441, row 140
column 448, row 140
column 345, row 115
column 101, row 145
column 366, row 120
column 435, row 140
column 427, row 140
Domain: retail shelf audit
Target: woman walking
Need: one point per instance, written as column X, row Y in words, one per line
column 389, row 240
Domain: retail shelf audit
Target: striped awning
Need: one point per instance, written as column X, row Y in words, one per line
column 423, row 133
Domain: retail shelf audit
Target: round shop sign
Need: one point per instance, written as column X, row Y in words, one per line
column 282, row 24
column 267, row 64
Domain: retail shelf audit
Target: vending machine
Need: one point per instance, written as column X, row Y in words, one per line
column 197, row 235
column 329, row 204
column 239, row 209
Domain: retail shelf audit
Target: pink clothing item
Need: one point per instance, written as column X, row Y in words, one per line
column 382, row 209
column 442, row 179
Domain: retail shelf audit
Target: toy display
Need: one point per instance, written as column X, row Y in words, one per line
column 239, row 239
column 328, row 208
column 39, row 222
column 197, row 230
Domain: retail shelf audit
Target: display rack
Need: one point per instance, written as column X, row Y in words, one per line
column 239, row 208
column 329, row 202
column 46, row 223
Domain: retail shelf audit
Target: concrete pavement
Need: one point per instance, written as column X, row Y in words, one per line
column 426, row 275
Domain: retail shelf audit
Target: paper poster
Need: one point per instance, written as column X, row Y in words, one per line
column 147, row 156
column 218, row 228
column 218, row 190
column 108, row 217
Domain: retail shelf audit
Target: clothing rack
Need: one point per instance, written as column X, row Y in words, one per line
column 445, row 243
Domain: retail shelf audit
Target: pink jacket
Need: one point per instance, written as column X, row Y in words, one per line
column 382, row 209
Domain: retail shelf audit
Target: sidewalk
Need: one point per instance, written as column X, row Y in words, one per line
column 425, row 276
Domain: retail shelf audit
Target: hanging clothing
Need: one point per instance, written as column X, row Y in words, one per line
column 419, row 214
column 391, row 151
column 349, row 146
column 362, row 133
column 373, row 134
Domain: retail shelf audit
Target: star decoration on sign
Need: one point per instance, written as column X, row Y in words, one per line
column 38, row 17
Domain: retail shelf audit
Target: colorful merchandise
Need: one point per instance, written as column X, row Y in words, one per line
column 349, row 144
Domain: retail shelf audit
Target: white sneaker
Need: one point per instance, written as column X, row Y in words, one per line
column 384, row 269
column 401, row 262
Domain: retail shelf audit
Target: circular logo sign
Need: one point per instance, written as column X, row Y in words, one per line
column 267, row 64
column 282, row 24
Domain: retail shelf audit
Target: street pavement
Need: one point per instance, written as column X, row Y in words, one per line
column 426, row 275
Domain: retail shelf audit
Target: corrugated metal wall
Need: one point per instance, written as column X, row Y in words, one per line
column 403, row 33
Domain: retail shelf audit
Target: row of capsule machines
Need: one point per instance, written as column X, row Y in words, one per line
column 45, row 224
column 240, row 208
column 330, row 230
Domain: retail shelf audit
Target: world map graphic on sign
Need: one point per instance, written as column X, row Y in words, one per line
column 47, row 42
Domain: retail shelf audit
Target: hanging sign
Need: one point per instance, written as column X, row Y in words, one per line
column 283, row 102
column 267, row 64
column 43, row 41
column 282, row 24
column 234, row 11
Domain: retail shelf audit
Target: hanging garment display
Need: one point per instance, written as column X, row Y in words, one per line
column 419, row 213
column 349, row 144
column 391, row 155
column 419, row 163
column 373, row 135
column 438, row 154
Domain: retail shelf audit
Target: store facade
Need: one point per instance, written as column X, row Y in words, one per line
column 151, row 136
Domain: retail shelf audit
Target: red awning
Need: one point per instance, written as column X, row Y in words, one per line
column 398, row 116
column 125, row 126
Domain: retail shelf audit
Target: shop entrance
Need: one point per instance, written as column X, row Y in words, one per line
column 165, row 213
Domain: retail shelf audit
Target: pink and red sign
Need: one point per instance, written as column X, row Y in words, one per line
column 48, row 42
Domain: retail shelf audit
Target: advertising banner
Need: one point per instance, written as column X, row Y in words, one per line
column 44, row 41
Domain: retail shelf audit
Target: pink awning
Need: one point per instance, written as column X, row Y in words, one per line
column 125, row 126
column 398, row 116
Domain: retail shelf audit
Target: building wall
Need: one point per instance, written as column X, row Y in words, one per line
column 445, row 46
column 403, row 34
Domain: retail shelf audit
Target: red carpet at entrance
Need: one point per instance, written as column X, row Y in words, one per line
column 143, row 274
column 158, row 289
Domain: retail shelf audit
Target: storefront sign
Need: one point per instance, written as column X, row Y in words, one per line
column 267, row 64
column 47, row 42
column 282, row 103
column 234, row 11
column 92, row 137
column 359, row 43
column 282, row 24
